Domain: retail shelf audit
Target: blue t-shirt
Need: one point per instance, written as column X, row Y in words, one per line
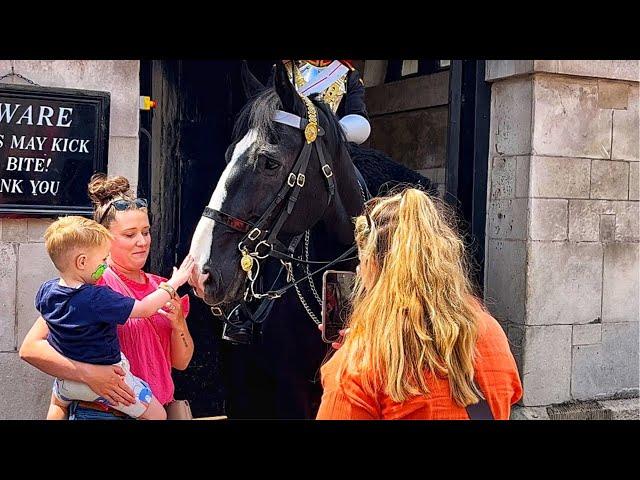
column 83, row 321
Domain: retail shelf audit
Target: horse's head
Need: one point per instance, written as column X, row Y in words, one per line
column 261, row 159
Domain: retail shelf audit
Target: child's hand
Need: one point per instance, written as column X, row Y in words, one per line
column 181, row 275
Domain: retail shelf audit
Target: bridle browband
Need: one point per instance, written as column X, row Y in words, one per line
column 258, row 235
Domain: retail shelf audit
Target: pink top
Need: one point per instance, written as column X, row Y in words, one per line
column 146, row 341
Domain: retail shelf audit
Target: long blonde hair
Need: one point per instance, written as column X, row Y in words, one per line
column 417, row 318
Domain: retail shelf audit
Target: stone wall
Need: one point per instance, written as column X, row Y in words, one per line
column 562, row 270
column 24, row 263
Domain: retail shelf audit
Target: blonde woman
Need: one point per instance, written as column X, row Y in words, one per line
column 420, row 344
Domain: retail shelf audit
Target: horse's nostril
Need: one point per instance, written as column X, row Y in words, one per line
column 207, row 275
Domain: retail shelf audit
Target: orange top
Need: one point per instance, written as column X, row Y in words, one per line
column 495, row 373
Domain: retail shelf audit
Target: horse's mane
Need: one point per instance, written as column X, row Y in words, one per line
column 258, row 112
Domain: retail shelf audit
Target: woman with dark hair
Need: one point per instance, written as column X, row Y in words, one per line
column 154, row 345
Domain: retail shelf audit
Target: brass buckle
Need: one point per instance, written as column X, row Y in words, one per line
column 253, row 234
column 217, row 311
column 291, row 181
column 326, row 169
column 301, row 179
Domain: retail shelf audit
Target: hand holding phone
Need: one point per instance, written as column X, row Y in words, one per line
column 337, row 287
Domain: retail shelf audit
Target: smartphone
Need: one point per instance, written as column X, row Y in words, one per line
column 337, row 288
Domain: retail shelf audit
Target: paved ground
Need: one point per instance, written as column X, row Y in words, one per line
column 622, row 409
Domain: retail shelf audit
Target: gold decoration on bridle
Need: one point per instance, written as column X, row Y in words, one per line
column 311, row 130
column 246, row 262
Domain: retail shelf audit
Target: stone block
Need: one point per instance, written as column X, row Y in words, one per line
column 607, row 228
column 613, row 95
column 626, row 139
column 14, row 230
column 613, row 69
column 564, row 283
column 587, row 334
column 559, row 177
column 503, row 178
column 609, row 367
column 26, row 391
column 621, row 283
column 507, row 219
column 522, row 176
column 584, row 220
column 609, row 180
column 36, row 228
column 548, row 219
column 123, row 158
column 568, row 122
column 505, row 279
column 511, row 103
column 500, row 69
column 547, row 365
column 634, row 181
column 35, row 267
column 8, row 277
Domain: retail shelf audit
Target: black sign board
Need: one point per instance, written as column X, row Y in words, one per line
column 51, row 141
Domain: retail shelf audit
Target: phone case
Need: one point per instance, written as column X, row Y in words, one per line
column 324, row 306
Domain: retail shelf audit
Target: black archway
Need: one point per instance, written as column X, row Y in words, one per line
column 182, row 145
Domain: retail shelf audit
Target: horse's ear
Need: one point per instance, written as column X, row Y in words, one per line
column 291, row 101
column 250, row 84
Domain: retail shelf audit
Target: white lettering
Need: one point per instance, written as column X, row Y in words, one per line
column 28, row 114
column 63, row 116
column 15, row 144
column 10, row 185
column 45, row 113
column 83, row 146
column 56, row 147
column 27, row 164
column 43, row 187
column 4, row 112
column 21, row 143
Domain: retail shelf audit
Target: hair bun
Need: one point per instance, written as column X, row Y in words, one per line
column 103, row 189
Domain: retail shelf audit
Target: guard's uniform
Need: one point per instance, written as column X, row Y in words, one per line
column 340, row 86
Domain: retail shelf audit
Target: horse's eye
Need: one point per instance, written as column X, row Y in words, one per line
column 271, row 164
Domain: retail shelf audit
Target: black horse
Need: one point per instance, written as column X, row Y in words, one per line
column 286, row 199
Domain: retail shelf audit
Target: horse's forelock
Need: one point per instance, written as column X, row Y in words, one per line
column 258, row 115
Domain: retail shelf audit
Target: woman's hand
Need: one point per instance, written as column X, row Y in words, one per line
column 108, row 382
column 173, row 311
column 343, row 332
column 182, row 274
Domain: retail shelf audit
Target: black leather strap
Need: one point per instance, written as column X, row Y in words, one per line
column 480, row 410
column 233, row 222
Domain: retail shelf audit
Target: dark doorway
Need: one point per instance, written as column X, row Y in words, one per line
column 182, row 146
column 467, row 155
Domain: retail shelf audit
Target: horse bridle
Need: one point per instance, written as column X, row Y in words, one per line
column 257, row 235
